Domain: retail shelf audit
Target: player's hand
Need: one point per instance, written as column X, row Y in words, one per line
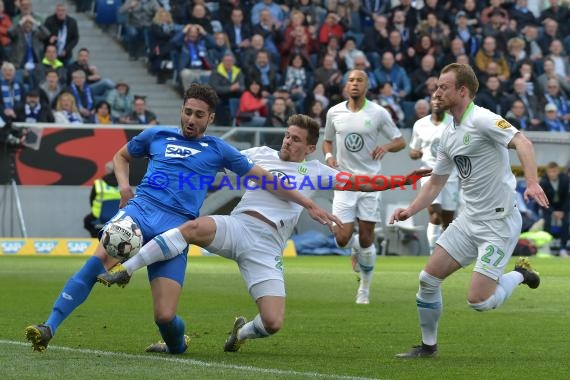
column 331, row 161
column 126, row 194
column 399, row 215
column 378, row 153
column 415, row 154
column 415, row 175
column 323, row 217
column 534, row 191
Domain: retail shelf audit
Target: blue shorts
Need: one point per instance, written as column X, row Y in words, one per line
column 152, row 221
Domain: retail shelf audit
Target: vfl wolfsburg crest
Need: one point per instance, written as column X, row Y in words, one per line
column 466, row 139
column 368, row 123
column 302, row 169
column 463, row 164
column 434, row 146
column 353, row 142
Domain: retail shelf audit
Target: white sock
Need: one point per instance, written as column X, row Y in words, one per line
column 429, row 303
column 253, row 329
column 366, row 261
column 509, row 281
column 433, row 231
column 163, row 247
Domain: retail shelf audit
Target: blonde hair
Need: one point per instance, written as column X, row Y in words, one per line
column 157, row 17
column 464, row 76
column 68, row 95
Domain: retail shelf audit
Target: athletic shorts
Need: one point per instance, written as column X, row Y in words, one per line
column 257, row 249
column 448, row 197
column 489, row 243
column 349, row 205
column 152, row 221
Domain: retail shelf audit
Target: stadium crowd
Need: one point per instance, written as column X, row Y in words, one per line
column 261, row 54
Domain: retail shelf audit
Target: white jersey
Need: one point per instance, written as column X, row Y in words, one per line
column 284, row 214
column 426, row 137
column 357, row 134
column 477, row 147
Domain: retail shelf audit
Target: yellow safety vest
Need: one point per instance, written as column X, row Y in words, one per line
column 103, row 192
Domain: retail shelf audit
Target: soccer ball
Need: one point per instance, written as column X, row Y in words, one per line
column 122, row 239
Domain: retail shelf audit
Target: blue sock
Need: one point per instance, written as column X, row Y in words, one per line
column 173, row 335
column 75, row 292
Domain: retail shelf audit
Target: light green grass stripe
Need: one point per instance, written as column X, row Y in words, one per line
column 196, row 363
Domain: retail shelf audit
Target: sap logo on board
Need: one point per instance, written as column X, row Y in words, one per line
column 78, row 247
column 12, row 247
column 178, row 151
column 45, row 246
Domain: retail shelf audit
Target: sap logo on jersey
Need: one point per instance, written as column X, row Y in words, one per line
column 178, row 151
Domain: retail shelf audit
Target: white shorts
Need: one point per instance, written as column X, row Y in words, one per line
column 489, row 242
column 448, row 197
column 349, row 205
column 257, row 249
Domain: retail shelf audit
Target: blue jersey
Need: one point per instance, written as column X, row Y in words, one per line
column 179, row 168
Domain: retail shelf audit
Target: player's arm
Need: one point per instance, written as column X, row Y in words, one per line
column 425, row 197
column 274, row 186
column 395, row 145
column 330, row 160
column 525, row 152
column 121, row 162
column 369, row 183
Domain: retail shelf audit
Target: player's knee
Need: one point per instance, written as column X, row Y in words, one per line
column 367, row 258
column 343, row 241
column 189, row 230
column 164, row 316
column 273, row 324
column 483, row 305
column 429, row 285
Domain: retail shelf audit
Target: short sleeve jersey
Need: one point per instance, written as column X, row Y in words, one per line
column 426, row 137
column 180, row 168
column 306, row 177
column 477, row 147
column 356, row 134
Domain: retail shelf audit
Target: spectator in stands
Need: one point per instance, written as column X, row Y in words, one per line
column 99, row 85
column 25, row 9
column 50, row 62
column 516, row 53
column 532, row 47
column 239, row 33
column 277, row 118
column 162, row 31
column 298, row 79
column 316, row 111
column 376, row 38
column 249, row 54
column 141, row 115
column 525, row 71
column 253, row 109
column 492, row 96
column 550, row 32
column 424, row 46
column 436, row 29
column 13, row 92
column 387, row 99
column 27, row 47
column 66, row 111
column 403, row 53
column 199, row 16
column 50, row 88
column 555, row 96
column 472, row 11
column 299, row 44
column 330, row 76
column 555, row 184
column 533, row 105
column 102, row 114
column 31, row 110
column 518, row 118
column 121, row 101
column 560, row 59
column 193, row 64
column 550, row 73
column 421, row 109
column 558, row 13
column 456, row 48
column 63, row 32
column 317, row 93
column 313, row 11
column 274, row 10
column 347, row 17
column 332, row 49
column 522, row 14
column 495, row 7
column 104, row 190
column 391, row 72
column 419, row 77
column 466, row 33
column 290, row 106
column 410, row 15
column 552, row 122
column 83, row 95
column 264, row 72
column 5, row 25
column 229, row 82
column 218, row 46
column 270, row 29
column 497, row 28
column 137, row 27
column 370, row 11
column 331, row 27
column 349, row 51
column 489, row 53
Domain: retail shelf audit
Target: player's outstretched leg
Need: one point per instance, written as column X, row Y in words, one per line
column 161, row 347
column 531, row 277
column 39, row 336
column 116, row 275
column 233, row 343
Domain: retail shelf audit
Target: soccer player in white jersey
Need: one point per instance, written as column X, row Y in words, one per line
column 426, row 135
column 487, row 230
column 255, row 233
column 355, row 126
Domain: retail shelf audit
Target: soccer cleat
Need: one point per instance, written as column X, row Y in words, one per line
column 362, row 297
column 162, row 348
column 531, row 277
column 419, row 351
column 233, row 343
column 116, row 275
column 39, row 336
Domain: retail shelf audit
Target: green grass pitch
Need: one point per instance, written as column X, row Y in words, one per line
column 325, row 335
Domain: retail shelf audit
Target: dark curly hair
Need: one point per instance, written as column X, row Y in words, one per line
column 203, row 92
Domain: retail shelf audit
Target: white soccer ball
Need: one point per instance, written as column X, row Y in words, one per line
column 122, row 239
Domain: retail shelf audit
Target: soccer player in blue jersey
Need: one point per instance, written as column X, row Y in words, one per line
column 169, row 195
